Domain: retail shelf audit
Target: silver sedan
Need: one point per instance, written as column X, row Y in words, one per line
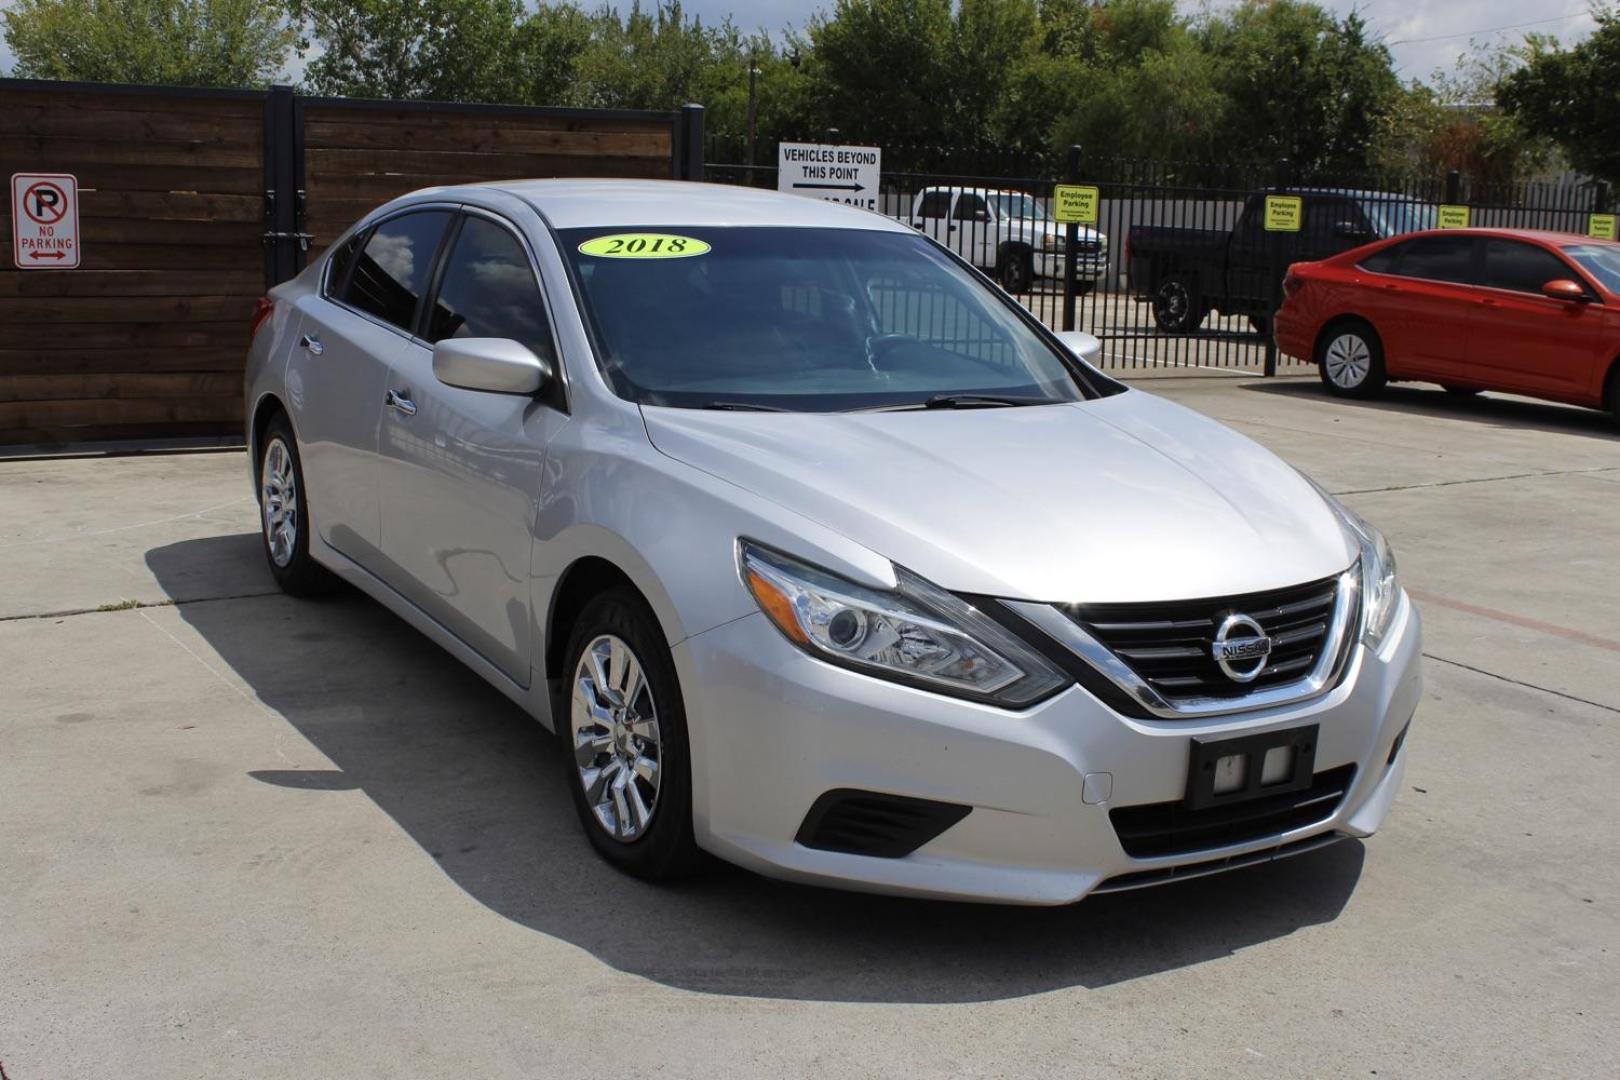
column 818, row 553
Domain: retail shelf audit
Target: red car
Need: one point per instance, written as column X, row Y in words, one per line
column 1527, row 312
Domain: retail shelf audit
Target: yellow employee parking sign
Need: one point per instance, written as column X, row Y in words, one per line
column 1284, row 213
column 1601, row 226
column 1452, row 217
column 1075, row 205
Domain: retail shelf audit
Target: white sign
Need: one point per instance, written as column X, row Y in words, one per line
column 44, row 221
column 841, row 174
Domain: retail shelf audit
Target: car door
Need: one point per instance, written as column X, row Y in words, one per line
column 1423, row 306
column 973, row 226
column 352, row 330
column 1521, row 339
column 461, row 469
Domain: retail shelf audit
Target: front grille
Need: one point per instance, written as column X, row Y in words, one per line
column 1169, row 828
column 1169, row 644
column 872, row 823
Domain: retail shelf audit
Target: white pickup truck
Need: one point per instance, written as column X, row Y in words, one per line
column 1008, row 234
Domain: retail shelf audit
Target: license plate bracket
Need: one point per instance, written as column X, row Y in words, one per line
column 1222, row 771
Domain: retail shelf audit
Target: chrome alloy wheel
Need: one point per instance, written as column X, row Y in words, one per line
column 617, row 747
column 1348, row 360
column 278, row 501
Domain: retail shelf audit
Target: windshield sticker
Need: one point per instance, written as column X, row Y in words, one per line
column 644, row 245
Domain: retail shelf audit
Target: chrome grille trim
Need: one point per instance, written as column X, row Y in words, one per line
column 1323, row 675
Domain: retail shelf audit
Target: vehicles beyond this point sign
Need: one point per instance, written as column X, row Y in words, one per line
column 840, row 174
column 44, row 221
column 1452, row 217
column 1073, row 204
column 1601, row 226
column 1284, row 213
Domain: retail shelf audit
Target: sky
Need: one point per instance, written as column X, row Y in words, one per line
column 1422, row 34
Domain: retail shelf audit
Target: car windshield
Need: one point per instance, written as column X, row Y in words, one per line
column 1392, row 217
column 1017, row 206
column 1602, row 261
column 803, row 320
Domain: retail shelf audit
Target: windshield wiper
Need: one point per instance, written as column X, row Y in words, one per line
column 745, row 406
column 981, row 401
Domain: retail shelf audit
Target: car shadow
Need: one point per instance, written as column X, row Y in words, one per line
column 481, row 788
column 1493, row 410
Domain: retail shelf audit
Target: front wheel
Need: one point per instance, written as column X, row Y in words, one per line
column 284, row 515
column 1351, row 360
column 628, row 762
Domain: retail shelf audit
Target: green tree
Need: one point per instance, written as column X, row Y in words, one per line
column 880, row 70
column 166, row 42
column 1569, row 95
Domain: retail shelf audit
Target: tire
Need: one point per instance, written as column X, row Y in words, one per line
column 1350, row 359
column 1177, row 308
column 1084, row 288
column 1015, row 270
column 1611, row 395
column 641, row 824
column 285, row 528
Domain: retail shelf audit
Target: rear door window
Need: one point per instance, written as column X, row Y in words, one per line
column 1511, row 264
column 1385, row 260
column 1439, row 258
column 935, row 204
column 971, row 207
column 392, row 270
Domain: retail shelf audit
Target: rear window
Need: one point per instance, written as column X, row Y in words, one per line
column 1439, row 258
column 1384, row 261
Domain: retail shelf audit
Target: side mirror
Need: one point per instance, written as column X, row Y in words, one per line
column 1351, row 231
column 1565, row 289
column 1084, row 347
column 497, row 365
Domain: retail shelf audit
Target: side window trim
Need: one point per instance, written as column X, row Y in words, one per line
column 430, row 293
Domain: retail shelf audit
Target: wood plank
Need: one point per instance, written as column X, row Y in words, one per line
column 451, row 162
column 230, row 359
column 480, row 136
column 61, row 414
column 449, row 115
column 47, row 153
column 379, row 187
column 118, row 385
column 67, row 438
column 103, row 256
column 159, row 99
column 167, row 177
column 126, row 230
column 46, row 315
column 132, row 283
column 138, row 335
column 171, row 206
column 132, row 127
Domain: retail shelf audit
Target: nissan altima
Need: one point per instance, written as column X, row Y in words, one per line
column 818, row 553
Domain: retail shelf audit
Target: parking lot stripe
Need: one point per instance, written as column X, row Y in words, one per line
column 1568, row 633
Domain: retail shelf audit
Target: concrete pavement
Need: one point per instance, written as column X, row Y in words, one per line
column 242, row 835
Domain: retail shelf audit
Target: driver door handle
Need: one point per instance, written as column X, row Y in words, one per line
column 395, row 400
column 312, row 343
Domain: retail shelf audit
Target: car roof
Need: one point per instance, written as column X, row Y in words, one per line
column 1545, row 236
column 571, row 204
column 1356, row 193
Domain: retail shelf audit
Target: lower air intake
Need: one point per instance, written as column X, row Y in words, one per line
column 871, row 823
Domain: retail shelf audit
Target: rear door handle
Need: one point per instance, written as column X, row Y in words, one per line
column 312, row 343
column 395, row 400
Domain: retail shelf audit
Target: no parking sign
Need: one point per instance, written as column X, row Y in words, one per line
column 44, row 221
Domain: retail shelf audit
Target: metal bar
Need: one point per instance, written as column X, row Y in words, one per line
column 1071, row 238
column 689, row 143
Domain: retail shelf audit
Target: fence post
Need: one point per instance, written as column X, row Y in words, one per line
column 1279, row 267
column 280, row 187
column 1071, row 237
column 1600, row 197
column 689, row 143
column 1453, row 188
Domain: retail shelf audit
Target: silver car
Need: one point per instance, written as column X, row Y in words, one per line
column 818, row 553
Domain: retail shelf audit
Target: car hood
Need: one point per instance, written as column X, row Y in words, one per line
column 1124, row 498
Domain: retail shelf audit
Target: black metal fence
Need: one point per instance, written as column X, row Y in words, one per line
column 1179, row 269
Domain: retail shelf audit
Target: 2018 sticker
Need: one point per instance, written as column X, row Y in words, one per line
column 644, row 246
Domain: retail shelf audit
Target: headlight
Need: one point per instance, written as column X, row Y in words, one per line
column 1380, row 590
column 918, row 634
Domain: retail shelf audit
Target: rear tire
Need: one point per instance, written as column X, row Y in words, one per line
column 284, row 515
column 1611, row 397
column 625, row 747
column 1350, row 359
column 1461, row 391
column 1177, row 308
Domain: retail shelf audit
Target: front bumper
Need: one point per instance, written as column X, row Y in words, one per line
column 772, row 729
column 1087, row 267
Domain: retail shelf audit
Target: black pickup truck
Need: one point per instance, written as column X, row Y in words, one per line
column 1187, row 273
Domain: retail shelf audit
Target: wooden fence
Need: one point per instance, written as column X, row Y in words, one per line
column 194, row 202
